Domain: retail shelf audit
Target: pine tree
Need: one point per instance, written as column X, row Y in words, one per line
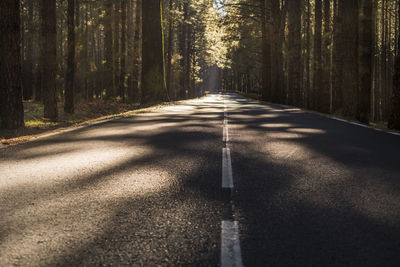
column 365, row 61
column 11, row 108
column 153, row 73
column 394, row 119
column 294, row 46
column 69, row 81
column 48, row 58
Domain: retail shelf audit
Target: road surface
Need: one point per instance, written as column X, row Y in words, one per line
column 220, row 180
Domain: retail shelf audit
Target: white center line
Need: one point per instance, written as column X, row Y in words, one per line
column 225, row 137
column 230, row 244
column 227, row 180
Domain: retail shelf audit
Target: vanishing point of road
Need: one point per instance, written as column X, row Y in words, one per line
column 216, row 181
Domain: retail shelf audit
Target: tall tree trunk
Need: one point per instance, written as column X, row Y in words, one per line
column 266, row 50
column 394, row 118
column 137, row 50
column 116, row 45
column 153, row 73
column 123, row 50
column 294, row 47
column 28, row 85
column 183, row 49
column 69, row 81
column 48, row 58
column 169, row 48
column 316, row 95
column 307, row 88
column 130, row 51
column 346, row 58
column 365, row 61
column 108, row 51
column 350, row 53
column 326, row 60
column 11, row 108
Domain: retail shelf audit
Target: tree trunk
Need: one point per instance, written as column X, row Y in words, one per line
column 11, row 108
column 316, row 95
column 326, row 59
column 108, row 51
column 130, row 52
column 169, row 47
column 153, row 73
column 137, row 59
column 265, row 49
column 365, row 61
column 116, row 45
column 28, row 85
column 122, row 82
column 394, row 118
column 69, row 81
column 48, row 58
column 294, row 47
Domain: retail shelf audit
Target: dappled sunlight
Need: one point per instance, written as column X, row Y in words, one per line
column 307, row 130
column 276, row 125
column 68, row 221
column 49, row 170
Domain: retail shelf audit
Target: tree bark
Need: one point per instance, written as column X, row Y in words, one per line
column 365, row 61
column 108, row 51
column 394, row 118
column 11, row 108
column 317, row 95
column 48, row 58
column 137, row 57
column 153, row 70
column 116, row 45
column 326, row 59
column 122, row 82
column 69, row 81
column 169, row 48
column 294, row 47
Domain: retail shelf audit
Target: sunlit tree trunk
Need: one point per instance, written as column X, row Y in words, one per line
column 394, row 119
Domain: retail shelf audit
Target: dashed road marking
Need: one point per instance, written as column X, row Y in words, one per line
column 227, row 179
column 225, row 137
column 230, row 244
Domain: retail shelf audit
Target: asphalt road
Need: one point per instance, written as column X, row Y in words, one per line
column 146, row 190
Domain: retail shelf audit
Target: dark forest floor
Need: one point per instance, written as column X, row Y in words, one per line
column 85, row 112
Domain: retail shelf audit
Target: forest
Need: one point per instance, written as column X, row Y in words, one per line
column 337, row 57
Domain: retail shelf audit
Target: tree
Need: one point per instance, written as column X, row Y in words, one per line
column 69, row 81
column 326, row 59
column 153, row 71
column 317, row 96
column 48, row 58
column 294, row 47
column 108, row 51
column 135, row 92
column 394, row 119
column 11, row 108
column 123, row 49
column 365, row 61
